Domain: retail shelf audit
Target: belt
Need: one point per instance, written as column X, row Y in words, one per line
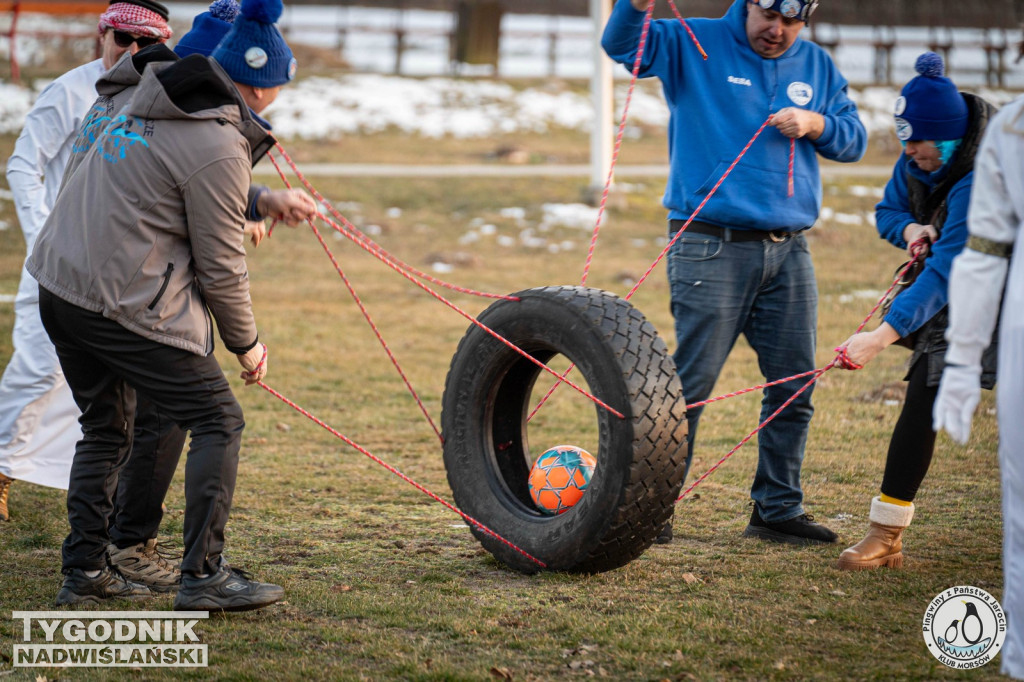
column 728, row 235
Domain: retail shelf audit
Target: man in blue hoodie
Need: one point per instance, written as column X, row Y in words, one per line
column 742, row 266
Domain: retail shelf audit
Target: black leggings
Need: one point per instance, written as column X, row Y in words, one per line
column 913, row 440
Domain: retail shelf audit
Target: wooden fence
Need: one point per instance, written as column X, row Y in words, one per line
column 51, row 7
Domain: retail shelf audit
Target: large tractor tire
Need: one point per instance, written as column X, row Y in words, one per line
column 640, row 458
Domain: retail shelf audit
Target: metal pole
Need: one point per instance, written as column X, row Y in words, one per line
column 601, row 138
column 15, row 70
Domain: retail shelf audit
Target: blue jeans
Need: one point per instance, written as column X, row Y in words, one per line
column 766, row 291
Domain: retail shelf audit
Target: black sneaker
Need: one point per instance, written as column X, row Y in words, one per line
column 799, row 531
column 665, row 535
column 229, row 589
column 78, row 588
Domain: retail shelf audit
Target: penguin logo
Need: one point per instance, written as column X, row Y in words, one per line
column 964, row 627
column 971, row 618
column 951, row 631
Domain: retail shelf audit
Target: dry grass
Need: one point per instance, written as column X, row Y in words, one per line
column 384, row 584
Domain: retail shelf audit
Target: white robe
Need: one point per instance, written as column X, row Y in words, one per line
column 38, row 417
column 976, row 283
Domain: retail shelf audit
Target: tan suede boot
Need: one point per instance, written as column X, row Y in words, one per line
column 5, row 488
column 883, row 545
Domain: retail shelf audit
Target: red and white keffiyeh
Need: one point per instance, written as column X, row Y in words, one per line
column 126, row 16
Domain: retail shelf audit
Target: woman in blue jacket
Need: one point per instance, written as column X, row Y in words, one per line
column 927, row 198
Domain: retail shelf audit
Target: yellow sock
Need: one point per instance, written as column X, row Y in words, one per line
column 896, row 501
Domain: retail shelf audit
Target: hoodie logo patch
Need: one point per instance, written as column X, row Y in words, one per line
column 117, row 139
column 740, row 81
column 800, row 93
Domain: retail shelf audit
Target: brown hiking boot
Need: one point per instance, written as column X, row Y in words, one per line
column 5, row 489
column 143, row 564
column 883, row 545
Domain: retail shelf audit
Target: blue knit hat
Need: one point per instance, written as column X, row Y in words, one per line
column 254, row 52
column 930, row 107
column 208, row 29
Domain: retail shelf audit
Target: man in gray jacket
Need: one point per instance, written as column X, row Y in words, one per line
column 157, row 441
column 167, row 182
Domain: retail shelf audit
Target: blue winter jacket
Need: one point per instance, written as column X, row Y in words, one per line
column 717, row 105
column 930, row 291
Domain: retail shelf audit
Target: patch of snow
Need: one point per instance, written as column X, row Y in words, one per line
column 849, row 219
column 579, row 216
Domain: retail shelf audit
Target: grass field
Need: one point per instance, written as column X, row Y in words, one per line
column 383, row 583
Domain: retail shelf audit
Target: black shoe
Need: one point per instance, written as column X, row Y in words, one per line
column 799, row 531
column 229, row 589
column 665, row 535
column 78, row 588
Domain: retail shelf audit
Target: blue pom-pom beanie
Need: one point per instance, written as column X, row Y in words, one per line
column 930, row 107
column 208, row 29
column 254, row 52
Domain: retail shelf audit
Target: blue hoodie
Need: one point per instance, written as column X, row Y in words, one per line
column 716, row 107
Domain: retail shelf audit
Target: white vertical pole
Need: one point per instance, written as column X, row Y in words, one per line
column 601, row 138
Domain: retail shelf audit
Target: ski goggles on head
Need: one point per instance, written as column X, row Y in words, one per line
column 791, row 9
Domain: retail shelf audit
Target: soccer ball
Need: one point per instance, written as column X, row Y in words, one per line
column 559, row 478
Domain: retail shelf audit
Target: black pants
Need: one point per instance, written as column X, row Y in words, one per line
column 156, row 448
column 913, row 440
column 105, row 365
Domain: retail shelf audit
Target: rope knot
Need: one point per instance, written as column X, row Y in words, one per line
column 919, row 248
column 843, row 360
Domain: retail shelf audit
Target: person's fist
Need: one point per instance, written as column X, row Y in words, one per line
column 794, row 122
column 293, row 206
column 915, row 232
column 255, row 230
column 254, row 362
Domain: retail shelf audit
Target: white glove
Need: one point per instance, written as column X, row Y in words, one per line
column 254, row 362
column 959, row 395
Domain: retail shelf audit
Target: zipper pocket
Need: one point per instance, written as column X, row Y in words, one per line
column 163, row 287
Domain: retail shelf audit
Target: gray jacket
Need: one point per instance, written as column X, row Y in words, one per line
column 147, row 231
